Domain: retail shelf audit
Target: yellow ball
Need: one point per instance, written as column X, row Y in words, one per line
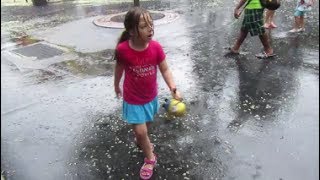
column 177, row 108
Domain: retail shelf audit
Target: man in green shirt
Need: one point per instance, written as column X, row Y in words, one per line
column 253, row 23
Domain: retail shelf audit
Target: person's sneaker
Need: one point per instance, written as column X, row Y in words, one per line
column 293, row 30
column 301, row 29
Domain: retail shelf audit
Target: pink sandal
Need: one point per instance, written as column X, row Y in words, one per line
column 146, row 173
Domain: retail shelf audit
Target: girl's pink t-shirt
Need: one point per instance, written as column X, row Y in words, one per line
column 140, row 80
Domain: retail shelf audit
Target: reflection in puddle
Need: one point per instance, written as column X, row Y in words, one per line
column 84, row 68
column 88, row 65
column 25, row 40
column 311, row 60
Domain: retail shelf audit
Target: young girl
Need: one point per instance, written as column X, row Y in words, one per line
column 139, row 56
column 301, row 8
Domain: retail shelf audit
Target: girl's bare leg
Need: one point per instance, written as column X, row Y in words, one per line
column 296, row 22
column 302, row 22
column 141, row 133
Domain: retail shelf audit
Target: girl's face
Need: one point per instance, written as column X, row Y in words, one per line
column 145, row 27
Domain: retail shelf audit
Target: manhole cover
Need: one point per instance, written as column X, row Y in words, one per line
column 116, row 20
column 39, row 50
column 120, row 18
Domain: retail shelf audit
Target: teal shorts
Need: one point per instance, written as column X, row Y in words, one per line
column 140, row 114
column 298, row 13
column 301, row 10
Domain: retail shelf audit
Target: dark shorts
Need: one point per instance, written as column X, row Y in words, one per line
column 253, row 21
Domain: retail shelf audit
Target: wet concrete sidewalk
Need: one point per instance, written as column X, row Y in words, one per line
column 247, row 118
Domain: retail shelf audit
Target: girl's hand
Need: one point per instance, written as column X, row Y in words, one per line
column 117, row 90
column 176, row 94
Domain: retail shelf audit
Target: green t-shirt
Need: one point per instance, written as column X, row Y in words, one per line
column 254, row 4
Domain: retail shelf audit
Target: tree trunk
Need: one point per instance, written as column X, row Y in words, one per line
column 136, row 3
column 39, row 2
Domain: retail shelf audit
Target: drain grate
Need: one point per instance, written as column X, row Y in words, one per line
column 39, row 50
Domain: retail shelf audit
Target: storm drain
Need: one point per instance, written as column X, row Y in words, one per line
column 39, row 50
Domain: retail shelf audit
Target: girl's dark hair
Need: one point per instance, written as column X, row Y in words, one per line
column 131, row 22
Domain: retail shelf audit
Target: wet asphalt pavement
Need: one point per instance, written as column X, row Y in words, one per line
column 247, row 118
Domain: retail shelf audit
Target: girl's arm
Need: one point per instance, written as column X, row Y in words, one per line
column 118, row 71
column 167, row 76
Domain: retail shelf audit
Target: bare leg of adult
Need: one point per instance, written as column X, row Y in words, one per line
column 266, row 45
column 271, row 19
column 267, row 19
column 271, row 15
column 239, row 41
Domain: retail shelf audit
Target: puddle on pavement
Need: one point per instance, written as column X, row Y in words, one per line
column 88, row 65
column 311, row 60
column 120, row 18
column 41, row 76
column 106, row 149
column 10, row 39
column 84, row 68
column 91, row 64
column 25, row 40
